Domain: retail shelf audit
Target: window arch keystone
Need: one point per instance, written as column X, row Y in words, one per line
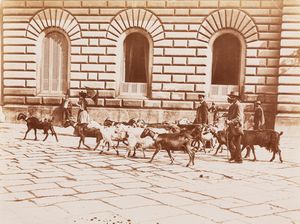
column 228, row 19
column 135, row 18
column 54, row 17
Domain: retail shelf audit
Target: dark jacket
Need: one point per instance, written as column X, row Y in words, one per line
column 236, row 118
column 259, row 118
column 202, row 114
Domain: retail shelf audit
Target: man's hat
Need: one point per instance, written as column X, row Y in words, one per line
column 82, row 94
column 258, row 102
column 201, row 94
column 234, row 93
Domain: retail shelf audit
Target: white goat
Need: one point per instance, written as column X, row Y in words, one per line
column 135, row 141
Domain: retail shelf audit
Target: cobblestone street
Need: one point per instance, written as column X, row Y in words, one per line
column 50, row 182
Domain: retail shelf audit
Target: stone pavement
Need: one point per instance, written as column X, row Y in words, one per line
column 50, row 182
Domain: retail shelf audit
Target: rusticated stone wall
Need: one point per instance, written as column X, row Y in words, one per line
column 180, row 31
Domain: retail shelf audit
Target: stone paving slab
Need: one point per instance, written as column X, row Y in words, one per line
column 50, row 182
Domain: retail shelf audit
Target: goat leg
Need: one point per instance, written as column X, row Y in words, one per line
column 203, row 147
column 128, row 152
column 98, row 143
column 108, row 146
column 193, row 159
column 35, row 134
column 198, row 145
column 273, row 157
column 219, row 146
column 114, row 147
column 89, row 148
column 134, row 151
column 82, row 139
column 156, row 151
column 47, row 134
column 280, row 158
column 211, row 146
column 190, row 153
column 248, row 151
column 79, row 143
column 169, row 153
column 54, row 133
column 143, row 150
column 26, row 133
column 253, row 151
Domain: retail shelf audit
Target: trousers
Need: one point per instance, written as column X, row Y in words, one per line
column 234, row 142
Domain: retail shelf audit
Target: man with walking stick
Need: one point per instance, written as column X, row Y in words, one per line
column 235, row 121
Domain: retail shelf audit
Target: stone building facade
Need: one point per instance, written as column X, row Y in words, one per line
column 185, row 47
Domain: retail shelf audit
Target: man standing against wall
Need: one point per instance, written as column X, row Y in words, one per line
column 235, row 123
column 259, row 117
column 202, row 111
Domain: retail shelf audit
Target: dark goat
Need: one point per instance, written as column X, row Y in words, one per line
column 221, row 138
column 109, row 123
column 264, row 138
column 202, row 135
column 83, row 131
column 170, row 141
column 34, row 123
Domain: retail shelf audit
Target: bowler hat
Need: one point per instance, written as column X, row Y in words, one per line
column 234, row 93
column 201, row 94
column 258, row 102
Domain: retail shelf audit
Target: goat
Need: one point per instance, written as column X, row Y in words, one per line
column 109, row 123
column 34, row 123
column 134, row 140
column 170, row 141
column 83, row 132
column 202, row 136
column 221, row 138
column 264, row 138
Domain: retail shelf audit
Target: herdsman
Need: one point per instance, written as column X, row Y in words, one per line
column 259, row 117
column 235, row 123
column 202, row 111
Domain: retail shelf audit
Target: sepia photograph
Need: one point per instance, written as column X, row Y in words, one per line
column 149, row 111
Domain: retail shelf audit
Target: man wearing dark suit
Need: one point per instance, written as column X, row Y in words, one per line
column 235, row 123
column 202, row 111
column 259, row 117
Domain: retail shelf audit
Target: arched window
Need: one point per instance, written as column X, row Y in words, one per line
column 54, row 64
column 136, row 65
column 136, row 58
column 228, row 58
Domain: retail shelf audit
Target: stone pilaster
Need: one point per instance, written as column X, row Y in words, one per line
column 288, row 107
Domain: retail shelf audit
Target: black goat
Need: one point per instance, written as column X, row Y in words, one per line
column 109, row 123
column 170, row 141
column 264, row 138
column 82, row 131
column 221, row 138
column 34, row 123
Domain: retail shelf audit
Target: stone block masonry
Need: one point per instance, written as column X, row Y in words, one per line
column 288, row 105
column 181, row 34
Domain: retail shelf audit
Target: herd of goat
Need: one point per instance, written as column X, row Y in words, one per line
column 180, row 136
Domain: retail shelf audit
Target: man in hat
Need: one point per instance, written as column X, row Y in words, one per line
column 235, row 121
column 215, row 110
column 259, row 117
column 83, row 116
column 67, row 108
column 202, row 111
